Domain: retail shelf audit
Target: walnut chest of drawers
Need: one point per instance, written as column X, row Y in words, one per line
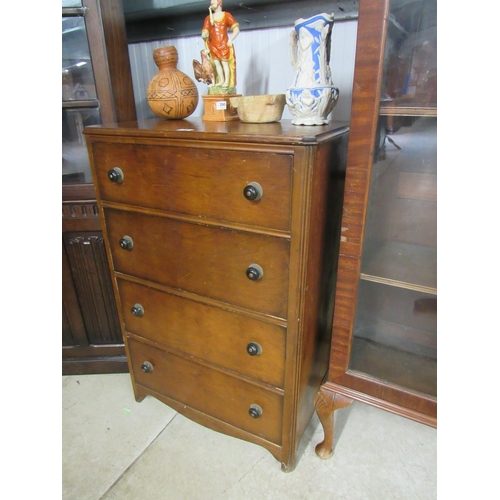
column 223, row 243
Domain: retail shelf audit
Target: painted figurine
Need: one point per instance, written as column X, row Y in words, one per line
column 204, row 72
column 219, row 46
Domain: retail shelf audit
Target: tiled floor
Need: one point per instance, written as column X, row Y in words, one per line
column 116, row 448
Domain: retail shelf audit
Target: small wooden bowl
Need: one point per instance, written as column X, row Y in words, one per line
column 259, row 108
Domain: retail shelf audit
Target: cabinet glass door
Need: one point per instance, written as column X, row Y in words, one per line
column 80, row 106
column 77, row 76
column 395, row 332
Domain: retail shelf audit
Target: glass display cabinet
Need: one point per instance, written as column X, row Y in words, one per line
column 96, row 88
column 384, row 342
column 80, row 104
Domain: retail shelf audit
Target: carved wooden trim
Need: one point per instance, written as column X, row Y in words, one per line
column 73, row 328
column 80, row 210
column 409, row 404
column 90, row 271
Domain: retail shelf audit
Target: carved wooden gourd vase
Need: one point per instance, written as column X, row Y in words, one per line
column 171, row 94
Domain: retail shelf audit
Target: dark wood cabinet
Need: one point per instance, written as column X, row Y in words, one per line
column 96, row 88
column 384, row 339
column 222, row 238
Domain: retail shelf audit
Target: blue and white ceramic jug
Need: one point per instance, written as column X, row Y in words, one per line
column 312, row 96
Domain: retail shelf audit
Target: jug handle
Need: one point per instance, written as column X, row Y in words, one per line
column 293, row 48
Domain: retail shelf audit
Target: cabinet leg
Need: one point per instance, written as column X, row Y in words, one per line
column 139, row 394
column 326, row 402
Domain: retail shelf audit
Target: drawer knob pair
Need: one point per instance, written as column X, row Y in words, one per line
column 254, row 272
column 253, row 191
column 255, row 411
column 115, row 175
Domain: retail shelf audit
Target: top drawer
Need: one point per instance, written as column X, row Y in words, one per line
column 200, row 182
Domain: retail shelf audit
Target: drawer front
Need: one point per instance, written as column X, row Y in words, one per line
column 206, row 332
column 209, row 391
column 200, row 182
column 203, row 260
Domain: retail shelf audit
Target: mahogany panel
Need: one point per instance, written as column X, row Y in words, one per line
column 347, row 278
column 114, row 27
column 90, row 273
column 73, row 225
column 326, row 184
column 106, row 31
column 77, row 192
column 372, row 26
column 409, row 404
column 93, row 359
column 94, row 365
column 73, row 328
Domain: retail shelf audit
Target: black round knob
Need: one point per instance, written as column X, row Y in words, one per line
column 126, row 242
column 253, row 349
column 147, row 367
column 250, row 193
column 137, row 310
column 255, row 411
column 254, row 272
column 115, row 175
column 253, row 191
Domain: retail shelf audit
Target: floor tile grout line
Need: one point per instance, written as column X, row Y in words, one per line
column 137, row 458
column 241, row 478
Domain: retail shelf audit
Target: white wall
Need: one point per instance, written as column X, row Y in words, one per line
column 262, row 64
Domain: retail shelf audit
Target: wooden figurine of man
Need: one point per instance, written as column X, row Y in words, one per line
column 220, row 45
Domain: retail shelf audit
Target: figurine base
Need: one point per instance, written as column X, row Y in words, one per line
column 218, row 108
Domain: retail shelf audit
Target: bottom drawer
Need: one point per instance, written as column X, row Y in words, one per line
column 222, row 396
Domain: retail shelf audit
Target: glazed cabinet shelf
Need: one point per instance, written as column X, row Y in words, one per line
column 395, row 335
column 407, row 111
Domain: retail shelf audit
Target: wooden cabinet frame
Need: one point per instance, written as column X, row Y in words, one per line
column 343, row 385
column 87, row 290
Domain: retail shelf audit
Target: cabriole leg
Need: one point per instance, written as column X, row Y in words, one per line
column 326, row 402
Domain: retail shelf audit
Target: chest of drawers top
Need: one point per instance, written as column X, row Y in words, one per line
column 282, row 132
